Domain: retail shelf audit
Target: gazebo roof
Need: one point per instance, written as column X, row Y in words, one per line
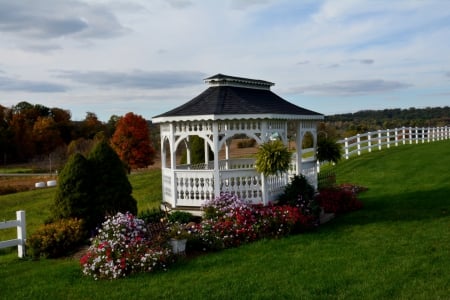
column 230, row 97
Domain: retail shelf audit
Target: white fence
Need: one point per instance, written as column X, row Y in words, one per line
column 20, row 223
column 392, row 137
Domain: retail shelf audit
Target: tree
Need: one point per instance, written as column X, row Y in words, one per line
column 75, row 196
column 90, row 126
column 131, row 141
column 46, row 135
column 112, row 189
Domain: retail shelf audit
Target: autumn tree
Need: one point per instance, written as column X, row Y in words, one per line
column 131, row 141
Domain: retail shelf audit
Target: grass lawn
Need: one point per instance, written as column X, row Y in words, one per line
column 397, row 247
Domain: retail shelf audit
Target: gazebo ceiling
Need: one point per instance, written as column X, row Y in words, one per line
column 230, row 97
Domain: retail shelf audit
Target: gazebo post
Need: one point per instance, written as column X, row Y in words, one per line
column 216, row 159
column 298, row 148
column 173, row 164
column 188, row 151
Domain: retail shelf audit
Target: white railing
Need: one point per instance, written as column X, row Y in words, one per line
column 20, row 223
column 392, row 137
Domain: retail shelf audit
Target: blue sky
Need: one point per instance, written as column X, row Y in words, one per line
column 149, row 56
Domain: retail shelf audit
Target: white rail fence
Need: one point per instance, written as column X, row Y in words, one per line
column 20, row 223
column 392, row 137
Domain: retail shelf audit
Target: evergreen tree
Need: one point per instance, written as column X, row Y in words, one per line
column 74, row 196
column 112, row 189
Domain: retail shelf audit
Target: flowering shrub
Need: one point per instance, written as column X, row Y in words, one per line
column 223, row 206
column 338, row 200
column 229, row 222
column 56, row 239
column 121, row 247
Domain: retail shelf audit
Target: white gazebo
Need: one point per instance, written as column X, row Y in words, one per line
column 232, row 106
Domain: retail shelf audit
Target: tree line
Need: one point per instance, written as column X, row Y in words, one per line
column 345, row 125
column 48, row 136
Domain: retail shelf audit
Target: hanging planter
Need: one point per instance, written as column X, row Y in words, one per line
column 273, row 157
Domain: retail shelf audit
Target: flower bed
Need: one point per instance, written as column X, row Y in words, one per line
column 124, row 245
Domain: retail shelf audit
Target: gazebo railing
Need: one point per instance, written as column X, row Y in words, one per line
column 245, row 183
column 224, row 164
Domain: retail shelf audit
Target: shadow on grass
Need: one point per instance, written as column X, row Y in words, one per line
column 412, row 206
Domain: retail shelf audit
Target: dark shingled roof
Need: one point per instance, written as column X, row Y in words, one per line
column 230, row 100
column 234, row 96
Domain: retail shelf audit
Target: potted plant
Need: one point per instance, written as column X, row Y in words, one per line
column 273, row 157
column 178, row 236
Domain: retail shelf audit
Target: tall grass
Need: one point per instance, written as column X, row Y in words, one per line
column 397, row 247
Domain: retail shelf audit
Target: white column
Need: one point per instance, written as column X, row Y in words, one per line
column 215, row 140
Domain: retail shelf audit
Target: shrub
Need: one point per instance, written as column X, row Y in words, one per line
column 56, row 239
column 298, row 188
column 338, row 200
column 74, row 194
column 222, row 205
column 112, row 189
column 180, row 217
column 230, row 222
column 122, row 247
column 152, row 216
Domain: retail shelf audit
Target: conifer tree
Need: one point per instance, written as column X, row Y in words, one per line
column 74, row 196
column 112, row 189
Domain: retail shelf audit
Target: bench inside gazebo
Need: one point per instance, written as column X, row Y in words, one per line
column 232, row 107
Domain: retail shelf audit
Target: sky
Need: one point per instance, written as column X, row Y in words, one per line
column 150, row 56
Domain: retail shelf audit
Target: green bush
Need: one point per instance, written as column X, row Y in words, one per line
column 56, row 239
column 182, row 217
column 74, row 196
column 112, row 190
column 298, row 188
column 153, row 215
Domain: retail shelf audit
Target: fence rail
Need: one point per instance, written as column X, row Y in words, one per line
column 20, row 223
column 392, row 137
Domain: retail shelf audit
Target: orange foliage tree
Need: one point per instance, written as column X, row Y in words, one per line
column 131, row 141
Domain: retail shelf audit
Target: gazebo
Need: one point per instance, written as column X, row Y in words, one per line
column 232, row 107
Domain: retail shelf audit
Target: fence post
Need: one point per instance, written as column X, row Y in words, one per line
column 21, row 233
column 404, row 135
column 346, row 148
column 379, row 139
column 358, row 143
column 396, row 136
column 388, row 138
column 369, row 141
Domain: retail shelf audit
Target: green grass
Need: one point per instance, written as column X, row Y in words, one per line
column 397, row 247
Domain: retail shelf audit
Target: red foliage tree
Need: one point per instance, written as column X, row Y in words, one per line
column 131, row 141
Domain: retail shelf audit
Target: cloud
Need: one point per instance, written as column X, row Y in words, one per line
column 355, row 87
column 180, row 3
column 10, row 84
column 137, row 79
column 447, row 74
column 54, row 19
column 366, row 61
